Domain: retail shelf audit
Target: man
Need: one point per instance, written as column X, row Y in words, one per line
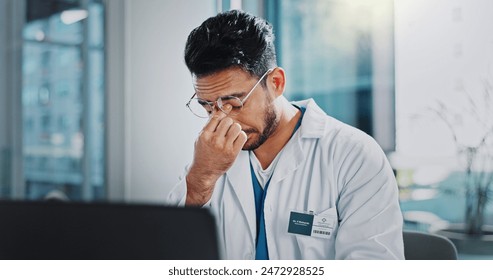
column 284, row 180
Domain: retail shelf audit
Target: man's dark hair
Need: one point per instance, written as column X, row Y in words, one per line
column 231, row 39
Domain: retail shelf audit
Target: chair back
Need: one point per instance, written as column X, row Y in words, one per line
column 428, row 246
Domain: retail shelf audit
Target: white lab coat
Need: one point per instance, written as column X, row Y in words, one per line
column 326, row 167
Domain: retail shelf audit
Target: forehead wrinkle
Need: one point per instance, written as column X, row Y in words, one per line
column 217, row 85
column 204, row 85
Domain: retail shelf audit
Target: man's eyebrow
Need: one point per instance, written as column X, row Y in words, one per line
column 236, row 94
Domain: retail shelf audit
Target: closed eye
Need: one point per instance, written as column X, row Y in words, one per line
column 203, row 102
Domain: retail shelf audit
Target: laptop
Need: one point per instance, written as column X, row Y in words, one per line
column 67, row 231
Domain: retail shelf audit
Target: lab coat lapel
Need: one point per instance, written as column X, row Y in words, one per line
column 291, row 158
column 313, row 125
column 241, row 182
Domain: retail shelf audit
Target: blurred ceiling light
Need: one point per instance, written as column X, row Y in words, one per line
column 39, row 35
column 73, row 16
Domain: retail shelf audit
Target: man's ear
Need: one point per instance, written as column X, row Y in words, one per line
column 277, row 79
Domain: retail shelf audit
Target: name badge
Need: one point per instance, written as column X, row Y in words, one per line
column 310, row 224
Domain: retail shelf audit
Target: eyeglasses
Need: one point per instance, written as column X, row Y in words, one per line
column 203, row 108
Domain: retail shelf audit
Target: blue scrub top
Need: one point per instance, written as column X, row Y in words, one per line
column 262, row 252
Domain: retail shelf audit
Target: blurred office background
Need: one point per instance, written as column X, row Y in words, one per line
column 93, row 92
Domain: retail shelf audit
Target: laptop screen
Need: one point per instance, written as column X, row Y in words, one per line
column 59, row 230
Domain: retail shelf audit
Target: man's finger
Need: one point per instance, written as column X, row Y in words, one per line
column 233, row 131
column 214, row 120
column 223, row 126
column 240, row 140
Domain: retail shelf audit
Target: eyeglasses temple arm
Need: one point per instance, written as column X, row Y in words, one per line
column 255, row 86
column 188, row 103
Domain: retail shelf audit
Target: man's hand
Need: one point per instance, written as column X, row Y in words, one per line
column 216, row 148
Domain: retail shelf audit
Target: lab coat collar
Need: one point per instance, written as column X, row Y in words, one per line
column 313, row 125
column 314, row 121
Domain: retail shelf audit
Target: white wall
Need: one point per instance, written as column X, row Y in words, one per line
column 160, row 131
column 443, row 48
column 383, row 71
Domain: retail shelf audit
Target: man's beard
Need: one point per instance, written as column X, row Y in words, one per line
column 270, row 125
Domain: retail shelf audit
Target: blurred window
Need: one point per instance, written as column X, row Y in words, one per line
column 63, row 81
column 340, row 53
